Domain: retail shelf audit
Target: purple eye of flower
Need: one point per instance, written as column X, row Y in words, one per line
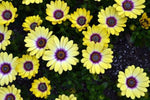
column 42, row 87
column 95, row 37
column 1, row 37
column 95, row 57
column 10, row 97
column 33, row 25
column 7, row 15
column 58, row 14
column 131, row 82
column 127, row 5
column 81, row 20
column 61, row 54
column 111, row 21
column 28, row 66
column 5, row 68
column 41, row 42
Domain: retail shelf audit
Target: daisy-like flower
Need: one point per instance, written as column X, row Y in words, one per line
column 129, row 8
column 96, row 34
column 7, row 68
column 31, row 22
column 27, row 2
column 10, row 93
column 57, row 12
column 7, row 13
column 111, row 21
column 144, row 21
column 4, row 37
column 97, row 58
column 41, row 87
column 27, row 66
column 133, row 82
column 61, row 54
column 80, row 18
column 36, row 41
column 64, row 97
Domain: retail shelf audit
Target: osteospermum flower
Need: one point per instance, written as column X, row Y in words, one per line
column 129, row 8
column 80, row 18
column 7, row 13
column 27, row 66
column 36, row 41
column 96, row 34
column 97, row 58
column 31, row 22
column 10, row 93
column 61, row 54
column 41, row 87
column 4, row 37
column 64, row 97
column 27, row 2
column 111, row 21
column 57, row 12
column 7, row 68
column 133, row 82
column 144, row 21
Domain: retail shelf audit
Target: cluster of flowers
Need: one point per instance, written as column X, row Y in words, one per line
column 61, row 53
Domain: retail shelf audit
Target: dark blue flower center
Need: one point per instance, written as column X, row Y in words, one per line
column 58, row 14
column 42, row 87
column 7, row 15
column 81, row 20
column 127, row 5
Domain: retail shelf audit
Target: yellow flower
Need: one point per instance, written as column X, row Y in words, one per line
column 98, row 0
column 64, row 97
column 31, row 22
column 129, row 8
column 111, row 21
column 7, row 13
column 61, row 54
column 133, row 82
column 97, row 58
column 80, row 19
column 7, row 68
column 96, row 34
column 27, row 2
column 57, row 12
column 4, row 37
column 10, row 93
column 144, row 21
column 41, row 87
column 27, row 66
column 36, row 41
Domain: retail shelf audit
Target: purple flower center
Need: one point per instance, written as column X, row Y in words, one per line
column 95, row 37
column 28, row 66
column 58, row 14
column 81, row 20
column 42, row 87
column 1, row 37
column 41, row 42
column 33, row 25
column 95, row 57
column 128, row 5
column 111, row 21
column 131, row 82
column 10, row 96
column 7, row 14
column 61, row 54
column 5, row 68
